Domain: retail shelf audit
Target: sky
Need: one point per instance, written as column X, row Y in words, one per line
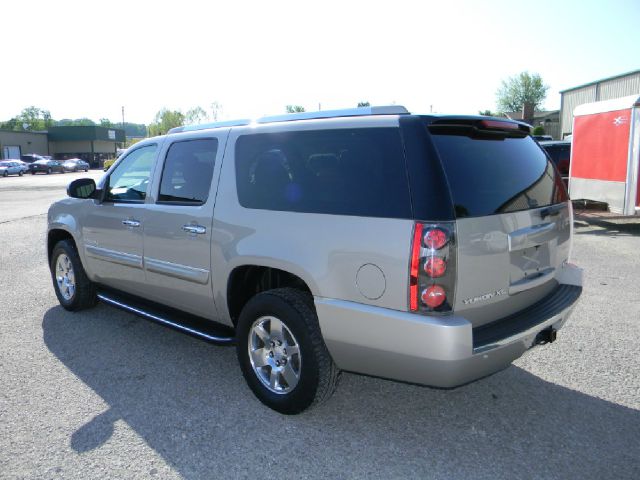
column 90, row 59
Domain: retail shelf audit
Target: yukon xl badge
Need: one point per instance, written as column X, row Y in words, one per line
column 486, row 296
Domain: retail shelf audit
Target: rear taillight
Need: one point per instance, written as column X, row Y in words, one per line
column 433, row 296
column 432, row 269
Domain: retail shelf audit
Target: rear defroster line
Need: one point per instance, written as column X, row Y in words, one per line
column 199, row 328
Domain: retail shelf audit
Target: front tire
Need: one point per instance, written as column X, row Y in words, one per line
column 49, row 171
column 72, row 286
column 281, row 351
column 20, row 174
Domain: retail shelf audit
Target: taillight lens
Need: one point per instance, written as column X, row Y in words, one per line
column 433, row 296
column 435, row 267
column 432, row 269
column 435, row 238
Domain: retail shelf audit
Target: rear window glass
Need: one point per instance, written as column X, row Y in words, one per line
column 492, row 176
column 344, row 172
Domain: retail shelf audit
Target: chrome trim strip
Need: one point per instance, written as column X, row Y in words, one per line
column 128, row 259
column 531, row 236
column 164, row 321
column 183, row 272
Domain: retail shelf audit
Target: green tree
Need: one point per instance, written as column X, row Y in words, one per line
column 84, row 122
column 363, row 104
column 538, row 130
column 488, row 113
column 10, row 125
column 522, row 90
column 33, row 118
column 165, row 120
column 196, row 115
column 295, row 108
column 77, row 122
column 105, row 122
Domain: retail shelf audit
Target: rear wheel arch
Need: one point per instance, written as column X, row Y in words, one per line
column 246, row 281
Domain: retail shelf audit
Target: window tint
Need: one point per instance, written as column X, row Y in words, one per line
column 129, row 181
column 187, row 172
column 344, row 172
column 490, row 176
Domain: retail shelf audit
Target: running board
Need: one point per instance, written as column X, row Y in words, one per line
column 191, row 325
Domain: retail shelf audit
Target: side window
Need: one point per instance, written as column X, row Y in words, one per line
column 129, row 181
column 187, row 172
column 343, row 172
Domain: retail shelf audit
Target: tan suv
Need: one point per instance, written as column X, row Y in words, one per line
column 428, row 249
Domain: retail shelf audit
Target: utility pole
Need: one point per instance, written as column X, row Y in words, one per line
column 125, row 135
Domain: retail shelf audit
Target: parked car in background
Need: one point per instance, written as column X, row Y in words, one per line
column 24, row 166
column 560, row 153
column 542, row 138
column 75, row 165
column 32, row 157
column 10, row 167
column 46, row 166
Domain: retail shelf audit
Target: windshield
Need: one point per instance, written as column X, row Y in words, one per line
column 497, row 175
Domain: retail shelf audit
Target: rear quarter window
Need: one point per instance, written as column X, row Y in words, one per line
column 342, row 171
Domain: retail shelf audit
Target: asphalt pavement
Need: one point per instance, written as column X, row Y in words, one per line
column 104, row 394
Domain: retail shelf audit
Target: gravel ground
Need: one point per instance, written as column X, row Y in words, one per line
column 103, row 394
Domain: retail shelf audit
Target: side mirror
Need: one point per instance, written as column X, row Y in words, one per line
column 82, row 188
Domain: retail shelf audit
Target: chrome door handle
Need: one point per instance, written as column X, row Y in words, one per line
column 131, row 223
column 199, row 229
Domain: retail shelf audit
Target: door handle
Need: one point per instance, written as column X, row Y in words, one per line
column 199, row 229
column 131, row 223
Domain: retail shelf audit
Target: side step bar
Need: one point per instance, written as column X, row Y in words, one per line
column 191, row 325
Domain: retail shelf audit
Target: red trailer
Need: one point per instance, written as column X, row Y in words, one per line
column 605, row 154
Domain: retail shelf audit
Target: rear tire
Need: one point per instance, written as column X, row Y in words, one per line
column 49, row 171
column 5, row 174
column 288, row 382
column 20, row 173
column 72, row 286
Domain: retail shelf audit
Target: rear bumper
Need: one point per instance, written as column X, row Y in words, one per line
column 438, row 351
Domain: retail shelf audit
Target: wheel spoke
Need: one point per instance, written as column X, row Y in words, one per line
column 262, row 334
column 259, row 357
column 273, row 379
column 289, row 375
column 275, row 327
column 293, row 350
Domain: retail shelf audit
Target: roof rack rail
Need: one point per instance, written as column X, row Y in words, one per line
column 348, row 112
column 205, row 126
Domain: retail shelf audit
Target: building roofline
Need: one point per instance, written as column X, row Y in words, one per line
column 31, row 132
column 600, row 81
